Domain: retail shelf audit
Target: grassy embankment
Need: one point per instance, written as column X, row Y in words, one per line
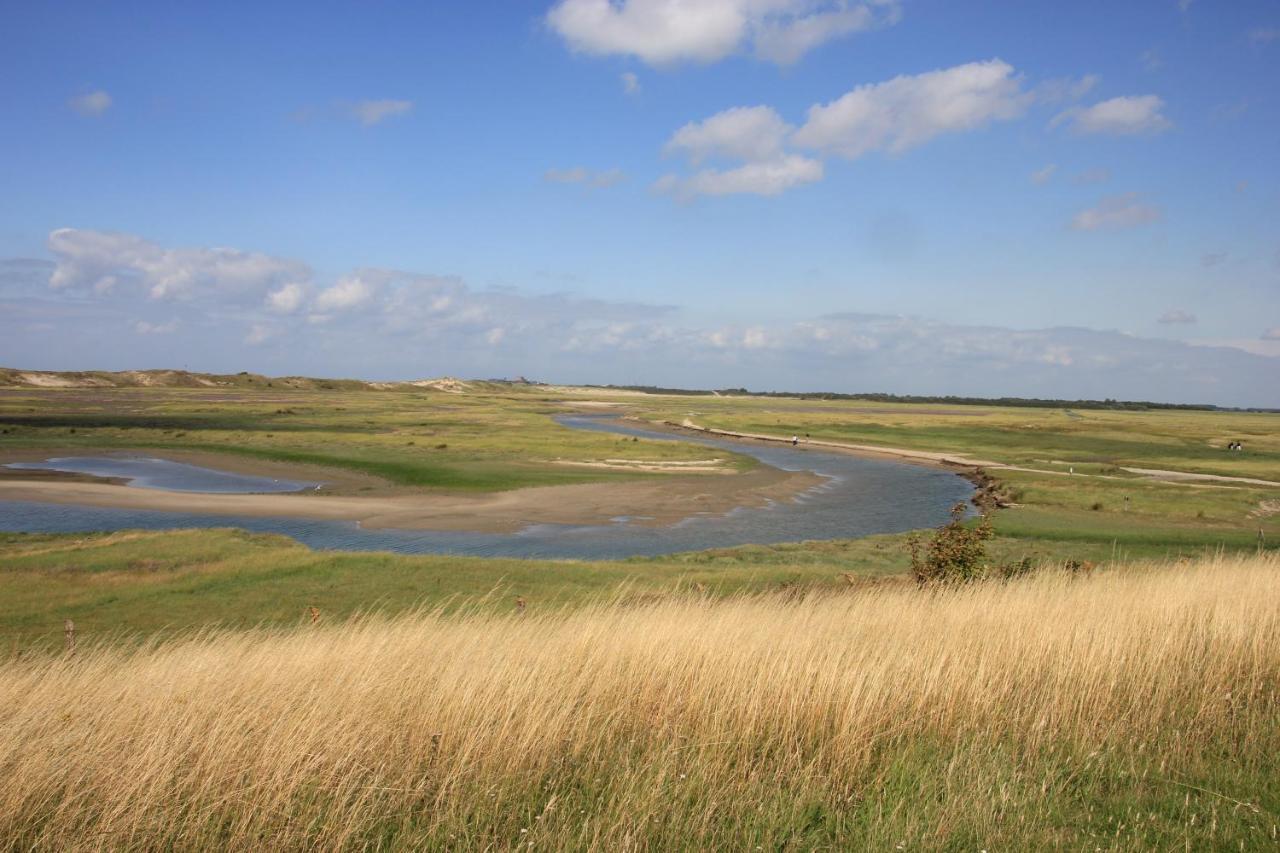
column 1135, row 709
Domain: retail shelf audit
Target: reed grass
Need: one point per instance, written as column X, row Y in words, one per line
column 1139, row 707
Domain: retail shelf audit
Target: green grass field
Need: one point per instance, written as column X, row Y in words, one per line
column 794, row 696
column 495, row 437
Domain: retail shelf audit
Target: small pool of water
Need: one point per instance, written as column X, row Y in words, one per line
column 858, row 497
column 146, row 472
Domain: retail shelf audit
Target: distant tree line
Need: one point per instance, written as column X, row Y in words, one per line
column 879, row 397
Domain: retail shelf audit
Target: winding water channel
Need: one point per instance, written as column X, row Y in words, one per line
column 857, row 497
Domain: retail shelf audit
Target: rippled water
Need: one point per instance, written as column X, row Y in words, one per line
column 148, row 473
column 858, row 497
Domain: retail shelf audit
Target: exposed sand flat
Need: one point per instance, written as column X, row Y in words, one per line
column 661, row 501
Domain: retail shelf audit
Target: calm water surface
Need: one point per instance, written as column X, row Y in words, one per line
column 857, row 497
column 148, row 473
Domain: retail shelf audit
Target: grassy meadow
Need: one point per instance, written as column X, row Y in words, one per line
column 230, row 690
column 1136, row 708
column 492, row 436
column 495, row 438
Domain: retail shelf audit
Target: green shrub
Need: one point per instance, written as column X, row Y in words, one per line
column 954, row 555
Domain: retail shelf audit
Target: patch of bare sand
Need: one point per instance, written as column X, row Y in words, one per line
column 705, row 466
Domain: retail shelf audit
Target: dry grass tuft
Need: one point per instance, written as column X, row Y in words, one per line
column 1137, row 707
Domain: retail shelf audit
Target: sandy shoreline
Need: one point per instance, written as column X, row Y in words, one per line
column 656, row 502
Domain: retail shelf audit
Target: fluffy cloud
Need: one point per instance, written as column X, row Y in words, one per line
column 348, row 293
column 666, row 31
column 389, row 323
column 892, row 116
column 1125, row 116
column 1176, row 317
column 369, row 113
column 1121, row 211
column 91, row 104
column 741, row 133
column 104, row 261
column 907, row 111
column 287, row 299
column 756, row 136
column 584, row 176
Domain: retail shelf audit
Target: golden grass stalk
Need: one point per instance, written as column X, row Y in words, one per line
column 1050, row 711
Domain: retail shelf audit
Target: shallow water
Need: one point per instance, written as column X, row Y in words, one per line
column 148, row 473
column 858, row 497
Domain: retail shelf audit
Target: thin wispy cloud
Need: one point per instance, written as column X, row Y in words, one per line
column 630, row 83
column 1116, row 212
column 91, row 104
column 594, row 179
column 369, row 113
column 1040, row 177
column 1092, row 176
column 1176, row 317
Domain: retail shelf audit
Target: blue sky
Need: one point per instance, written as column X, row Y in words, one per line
column 985, row 198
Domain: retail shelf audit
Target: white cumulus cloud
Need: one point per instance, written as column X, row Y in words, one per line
column 287, row 299
column 909, row 110
column 347, row 293
column 105, row 261
column 1129, row 115
column 741, row 133
column 666, row 31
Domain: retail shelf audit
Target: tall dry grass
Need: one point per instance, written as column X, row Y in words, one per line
column 1138, row 706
